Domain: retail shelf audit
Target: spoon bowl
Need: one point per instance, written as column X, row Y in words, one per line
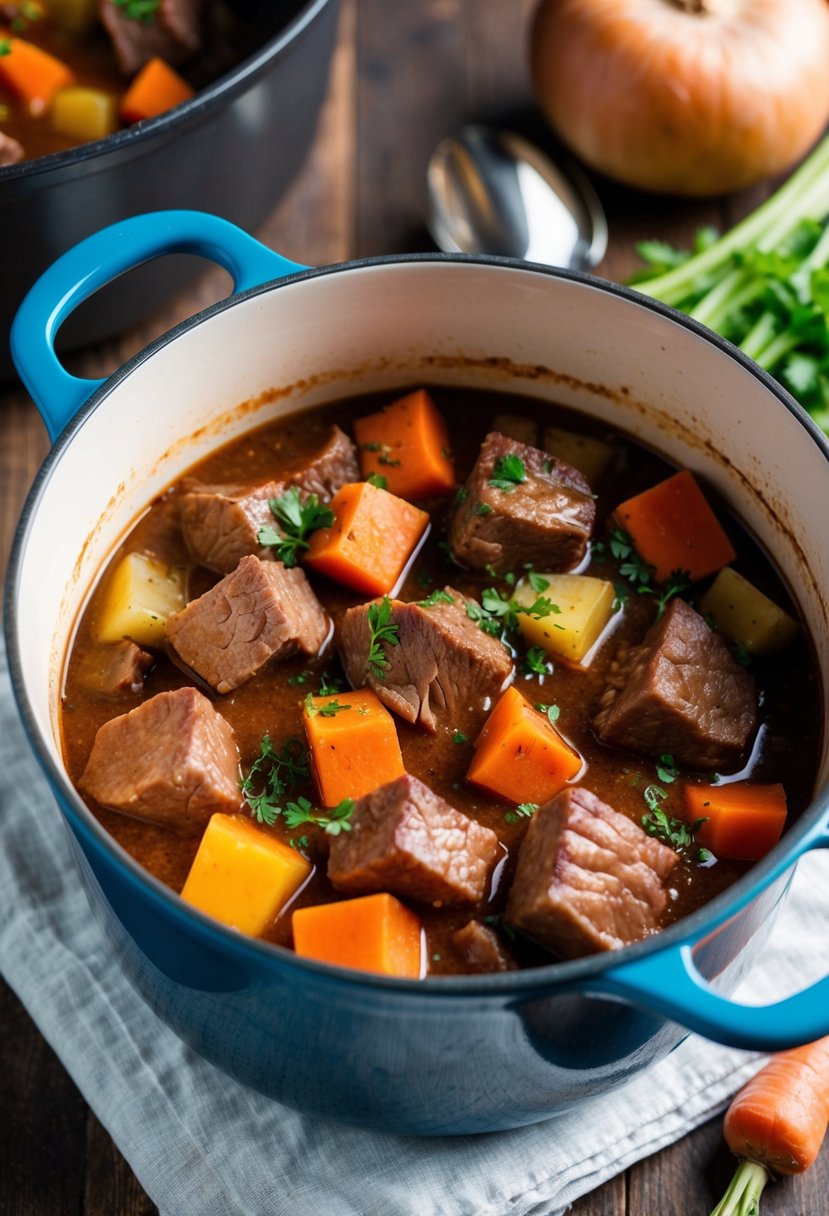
column 493, row 192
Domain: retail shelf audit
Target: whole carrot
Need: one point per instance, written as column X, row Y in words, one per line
column 776, row 1124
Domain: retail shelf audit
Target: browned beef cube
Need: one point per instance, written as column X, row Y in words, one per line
column 442, row 666
column 11, row 151
column 546, row 519
column 482, row 949
column 260, row 612
column 588, row 878
column 114, row 669
column 172, row 760
column 680, row 691
column 174, row 34
column 406, row 840
column 221, row 524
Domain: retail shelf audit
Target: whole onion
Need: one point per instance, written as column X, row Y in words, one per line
column 691, row 97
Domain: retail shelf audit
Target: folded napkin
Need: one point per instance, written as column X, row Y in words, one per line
column 201, row 1144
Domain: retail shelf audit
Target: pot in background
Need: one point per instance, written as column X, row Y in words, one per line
column 233, row 150
column 446, row 1055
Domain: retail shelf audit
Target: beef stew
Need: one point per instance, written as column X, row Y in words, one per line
column 486, row 698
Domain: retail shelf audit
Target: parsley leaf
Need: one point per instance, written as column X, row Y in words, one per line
column 435, row 597
column 298, row 520
column 5, row 46
column 271, row 775
column 378, row 480
column 382, row 629
column 666, row 769
column 482, row 508
column 329, row 710
column 508, row 472
column 295, row 814
column 459, row 737
column 329, row 685
column 140, row 10
column 552, row 711
column 524, row 810
column 536, row 663
column 677, row 833
column 537, row 582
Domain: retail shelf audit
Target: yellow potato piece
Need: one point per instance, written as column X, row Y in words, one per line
column 590, row 456
column 241, row 876
column 586, row 606
column 84, row 113
column 136, row 599
column 744, row 615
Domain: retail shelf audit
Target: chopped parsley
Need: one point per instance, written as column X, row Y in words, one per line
column 496, row 614
column 741, row 654
column 639, row 573
column 524, row 810
column 461, row 495
column 435, row 597
column 387, row 460
column 298, row 520
column 5, row 46
column 378, row 480
column 459, row 737
column 329, row 685
column 272, row 774
column 329, row 710
column 139, row 10
column 551, row 711
column 482, row 508
column 536, row 663
column 538, row 582
column 508, row 472
column 299, row 677
column 295, row 814
column 666, row 769
column 496, row 921
column 677, row 833
column 382, row 630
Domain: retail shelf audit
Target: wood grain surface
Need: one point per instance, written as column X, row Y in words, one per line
column 404, row 75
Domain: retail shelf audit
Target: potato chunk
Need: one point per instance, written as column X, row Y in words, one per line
column 746, row 616
column 590, row 456
column 585, row 604
column 138, row 596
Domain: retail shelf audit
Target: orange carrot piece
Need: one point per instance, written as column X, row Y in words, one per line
column 408, row 444
column 673, row 528
column 743, row 820
column 155, row 89
column 353, row 749
column 372, row 933
column 372, row 538
column 32, row 73
column 777, row 1123
column 519, row 754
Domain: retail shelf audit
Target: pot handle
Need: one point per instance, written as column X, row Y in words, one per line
column 99, row 259
column 668, row 982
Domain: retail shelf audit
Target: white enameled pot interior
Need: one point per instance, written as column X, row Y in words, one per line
column 390, row 324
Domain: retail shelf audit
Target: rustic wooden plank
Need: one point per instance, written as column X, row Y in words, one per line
column 410, row 93
column 497, row 63
column 607, row 1200
column 42, row 1114
column 110, row 1187
column 23, row 444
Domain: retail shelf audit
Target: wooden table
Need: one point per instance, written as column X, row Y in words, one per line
column 404, row 75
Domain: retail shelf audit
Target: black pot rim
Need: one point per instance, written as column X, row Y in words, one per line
column 525, row 983
column 196, row 109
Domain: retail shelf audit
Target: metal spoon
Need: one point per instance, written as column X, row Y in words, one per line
column 494, row 192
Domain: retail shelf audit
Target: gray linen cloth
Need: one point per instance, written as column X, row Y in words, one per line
column 203, row 1145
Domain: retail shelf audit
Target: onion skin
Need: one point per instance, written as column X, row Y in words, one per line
column 695, row 97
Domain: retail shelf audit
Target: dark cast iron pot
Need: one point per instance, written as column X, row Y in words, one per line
column 446, row 1055
column 233, row 150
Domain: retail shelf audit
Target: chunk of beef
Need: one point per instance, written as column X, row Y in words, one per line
column 482, row 949
column 221, row 523
column 680, row 691
column 545, row 519
column 173, row 760
column 588, row 878
column 174, row 33
column 442, row 666
column 406, row 840
column 260, row 612
column 114, row 669
column 11, row 150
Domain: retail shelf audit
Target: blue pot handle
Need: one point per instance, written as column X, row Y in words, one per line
column 668, row 982
column 93, row 263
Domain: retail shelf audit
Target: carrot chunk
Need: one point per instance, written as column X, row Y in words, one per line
column 353, row 743
column 156, row 88
column 408, row 444
column 242, row 876
column 673, row 528
column 372, row 538
column 743, row 820
column 519, row 754
column 372, row 933
column 31, row 73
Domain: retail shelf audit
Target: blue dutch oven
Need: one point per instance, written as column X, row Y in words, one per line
column 446, row 1055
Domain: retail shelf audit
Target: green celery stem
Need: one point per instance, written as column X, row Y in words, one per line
column 719, row 297
column 804, row 195
column 743, row 1195
column 761, row 333
column 776, row 349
